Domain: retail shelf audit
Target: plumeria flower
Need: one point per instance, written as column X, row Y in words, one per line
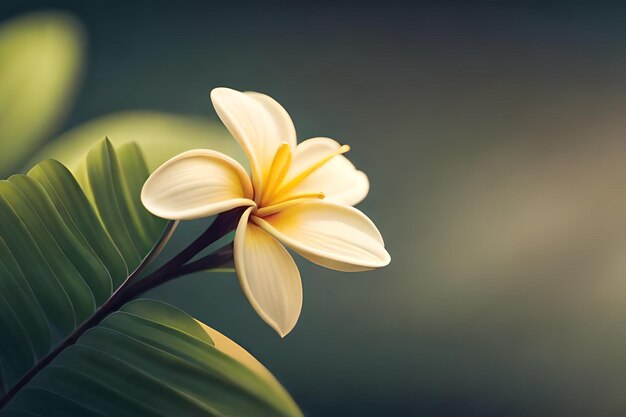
column 297, row 195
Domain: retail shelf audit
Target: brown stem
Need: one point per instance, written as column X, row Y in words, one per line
column 223, row 224
column 214, row 260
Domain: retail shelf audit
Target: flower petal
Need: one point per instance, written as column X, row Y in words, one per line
column 338, row 179
column 268, row 276
column 258, row 123
column 284, row 125
column 195, row 184
column 332, row 235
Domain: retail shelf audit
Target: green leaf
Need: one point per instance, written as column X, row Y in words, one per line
column 159, row 135
column 40, row 62
column 65, row 246
column 151, row 359
column 56, row 254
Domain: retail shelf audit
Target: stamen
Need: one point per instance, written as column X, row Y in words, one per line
column 278, row 170
column 281, row 205
column 304, row 174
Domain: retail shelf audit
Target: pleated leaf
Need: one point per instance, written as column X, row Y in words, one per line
column 59, row 258
column 151, row 359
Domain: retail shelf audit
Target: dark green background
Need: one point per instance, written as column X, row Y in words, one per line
column 494, row 138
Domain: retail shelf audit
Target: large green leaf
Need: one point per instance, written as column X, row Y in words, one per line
column 150, row 359
column 40, row 62
column 63, row 252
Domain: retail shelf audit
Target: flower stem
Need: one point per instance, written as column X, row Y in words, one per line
column 222, row 225
column 214, row 260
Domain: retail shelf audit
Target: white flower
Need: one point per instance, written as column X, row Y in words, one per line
column 298, row 195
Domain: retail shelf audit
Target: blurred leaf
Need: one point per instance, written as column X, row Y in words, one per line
column 159, row 135
column 61, row 257
column 40, row 62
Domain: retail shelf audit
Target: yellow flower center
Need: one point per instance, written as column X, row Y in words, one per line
column 277, row 191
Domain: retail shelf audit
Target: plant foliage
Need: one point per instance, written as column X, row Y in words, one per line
column 65, row 246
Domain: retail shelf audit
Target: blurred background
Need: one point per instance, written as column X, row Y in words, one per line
column 494, row 136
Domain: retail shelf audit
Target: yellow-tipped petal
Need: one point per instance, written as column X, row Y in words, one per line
column 196, row 184
column 332, row 235
column 336, row 177
column 268, row 276
column 258, row 123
